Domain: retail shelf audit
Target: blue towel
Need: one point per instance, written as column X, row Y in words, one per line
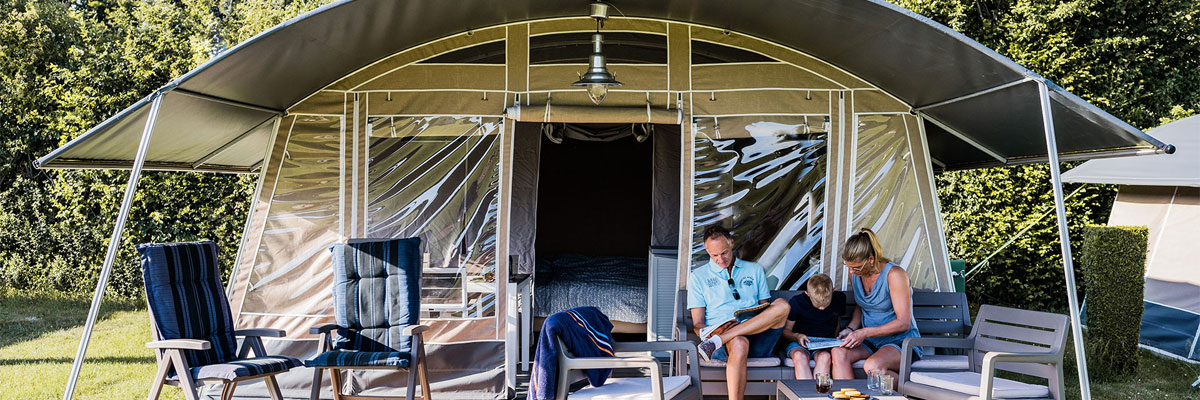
column 586, row 332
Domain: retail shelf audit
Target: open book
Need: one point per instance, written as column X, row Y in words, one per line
column 739, row 316
column 818, row 343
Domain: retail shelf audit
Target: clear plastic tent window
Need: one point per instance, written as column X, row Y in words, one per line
column 764, row 179
column 303, row 221
column 886, row 198
column 437, row 178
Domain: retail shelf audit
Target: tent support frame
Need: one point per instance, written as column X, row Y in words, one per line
column 111, row 255
column 1064, row 239
column 971, row 95
column 965, row 138
column 229, row 102
column 227, row 145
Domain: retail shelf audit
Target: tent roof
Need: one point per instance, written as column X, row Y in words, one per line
column 1179, row 169
column 986, row 107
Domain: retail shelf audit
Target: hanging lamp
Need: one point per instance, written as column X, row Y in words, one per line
column 597, row 79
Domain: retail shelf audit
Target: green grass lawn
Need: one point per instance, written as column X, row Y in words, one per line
column 39, row 334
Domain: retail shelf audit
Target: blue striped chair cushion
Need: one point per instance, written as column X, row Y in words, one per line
column 246, row 368
column 376, row 293
column 187, row 300
column 360, row 359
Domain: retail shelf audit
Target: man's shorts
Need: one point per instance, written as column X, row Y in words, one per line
column 761, row 345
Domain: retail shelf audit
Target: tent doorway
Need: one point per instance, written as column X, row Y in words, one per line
column 606, row 193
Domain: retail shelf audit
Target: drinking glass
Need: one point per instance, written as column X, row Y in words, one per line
column 824, row 383
column 885, row 384
column 873, row 379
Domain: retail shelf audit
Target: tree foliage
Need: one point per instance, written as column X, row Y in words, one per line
column 67, row 65
column 1135, row 59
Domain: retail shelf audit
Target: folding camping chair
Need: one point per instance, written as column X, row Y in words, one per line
column 376, row 299
column 194, row 339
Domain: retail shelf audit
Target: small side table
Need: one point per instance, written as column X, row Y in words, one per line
column 792, row 389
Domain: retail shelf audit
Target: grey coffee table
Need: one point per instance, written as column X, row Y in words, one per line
column 793, row 389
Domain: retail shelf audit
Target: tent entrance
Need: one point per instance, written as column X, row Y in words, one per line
column 600, row 205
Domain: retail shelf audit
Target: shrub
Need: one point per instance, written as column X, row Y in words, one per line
column 1114, row 263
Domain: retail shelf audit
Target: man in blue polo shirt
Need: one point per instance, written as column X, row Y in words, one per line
column 724, row 285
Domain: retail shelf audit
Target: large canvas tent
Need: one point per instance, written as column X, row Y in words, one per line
column 793, row 123
column 1162, row 193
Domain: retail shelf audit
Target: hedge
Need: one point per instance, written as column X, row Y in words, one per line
column 1114, row 264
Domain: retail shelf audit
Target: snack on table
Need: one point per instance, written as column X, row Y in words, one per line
column 840, row 395
column 852, row 393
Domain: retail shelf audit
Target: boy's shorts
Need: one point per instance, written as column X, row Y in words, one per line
column 793, row 345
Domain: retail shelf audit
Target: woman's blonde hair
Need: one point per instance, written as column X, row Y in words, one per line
column 820, row 290
column 862, row 246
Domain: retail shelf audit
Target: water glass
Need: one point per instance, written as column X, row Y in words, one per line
column 873, row 379
column 885, row 384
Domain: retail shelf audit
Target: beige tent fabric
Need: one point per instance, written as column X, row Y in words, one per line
column 418, row 53
column 594, row 114
column 417, row 77
column 633, row 77
column 586, row 24
column 1172, row 214
column 252, row 237
column 781, row 53
column 757, row 75
column 301, row 222
column 761, row 102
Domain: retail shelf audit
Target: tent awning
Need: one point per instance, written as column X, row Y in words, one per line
column 982, row 109
column 1179, row 169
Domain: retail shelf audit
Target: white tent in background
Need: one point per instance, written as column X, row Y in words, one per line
column 792, row 122
column 1162, row 192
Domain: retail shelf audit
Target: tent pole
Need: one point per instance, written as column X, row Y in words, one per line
column 111, row 255
column 1065, row 239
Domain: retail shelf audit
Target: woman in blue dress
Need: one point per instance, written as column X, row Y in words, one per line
column 883, row 317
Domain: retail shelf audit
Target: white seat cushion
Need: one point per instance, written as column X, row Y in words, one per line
column 813, row 363
column 750, row 362
column 632, row 389
column 941, row 362
column 968, row 383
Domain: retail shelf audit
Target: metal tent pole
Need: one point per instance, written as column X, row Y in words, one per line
column 1065, row 238
column 111, row 256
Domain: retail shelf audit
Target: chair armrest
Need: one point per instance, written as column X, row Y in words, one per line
column 910, row 343
column 627, row 347
column 319, row 329
column 184, row 344
column 993, row 357
column 611, row 362
column 260, row 332
column 943, row 342
column 414, row 330
column 988, row 370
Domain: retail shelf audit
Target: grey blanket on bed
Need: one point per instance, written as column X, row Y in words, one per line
column 615, row 285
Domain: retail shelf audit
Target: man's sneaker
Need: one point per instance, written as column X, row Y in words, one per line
column 708, row 347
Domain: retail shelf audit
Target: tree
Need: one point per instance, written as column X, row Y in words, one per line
column 1136, row 59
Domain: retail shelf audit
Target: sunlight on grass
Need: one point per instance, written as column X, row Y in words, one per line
column 47, row 328
column 39, row 334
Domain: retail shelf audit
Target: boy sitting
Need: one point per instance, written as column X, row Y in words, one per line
column 814, row 313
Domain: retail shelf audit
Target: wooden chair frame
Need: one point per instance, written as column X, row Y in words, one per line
column 169, row 353
column 415, row 363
